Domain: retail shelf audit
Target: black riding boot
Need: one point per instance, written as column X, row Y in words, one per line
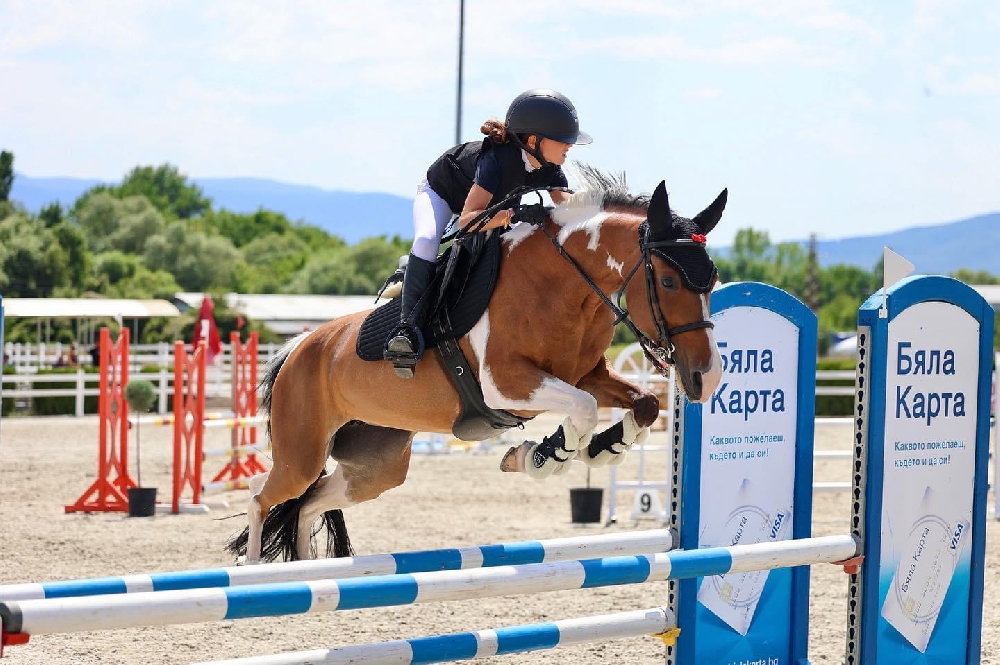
column 406, row 344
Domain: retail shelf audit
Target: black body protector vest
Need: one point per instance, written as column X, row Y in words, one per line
column 453, row 173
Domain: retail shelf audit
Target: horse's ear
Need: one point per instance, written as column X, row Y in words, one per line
column 710, row 216
column 660, row 219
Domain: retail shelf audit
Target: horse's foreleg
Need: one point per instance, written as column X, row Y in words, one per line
column 536, row 390
column 610, row 389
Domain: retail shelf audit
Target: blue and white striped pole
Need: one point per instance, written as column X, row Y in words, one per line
column 459, row 558
column 64, row 615
column 481, row 643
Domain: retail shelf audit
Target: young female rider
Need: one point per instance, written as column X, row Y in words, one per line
column 528, row 148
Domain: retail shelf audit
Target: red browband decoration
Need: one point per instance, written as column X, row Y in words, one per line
column 697, row 237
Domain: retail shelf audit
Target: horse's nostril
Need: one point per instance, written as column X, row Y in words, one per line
column 696, row 380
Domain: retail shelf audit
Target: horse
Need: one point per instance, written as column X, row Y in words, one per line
column 539, row 346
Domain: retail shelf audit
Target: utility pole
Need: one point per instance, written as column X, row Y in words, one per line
column 461, row 44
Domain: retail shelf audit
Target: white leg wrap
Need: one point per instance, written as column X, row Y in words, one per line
column 631, row 434
column 544, row 462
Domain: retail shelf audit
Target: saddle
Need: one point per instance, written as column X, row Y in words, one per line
column 460, row 292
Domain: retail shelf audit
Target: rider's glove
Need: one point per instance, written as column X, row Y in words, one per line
column 534, row 213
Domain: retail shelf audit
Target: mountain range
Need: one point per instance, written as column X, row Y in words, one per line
column 972, row 243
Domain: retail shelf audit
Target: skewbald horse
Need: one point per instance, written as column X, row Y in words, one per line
column 539, row 347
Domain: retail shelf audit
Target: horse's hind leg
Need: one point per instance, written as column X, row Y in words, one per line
column 255, row 517
column 277, row 495
column 370, row 460
column 328, row 494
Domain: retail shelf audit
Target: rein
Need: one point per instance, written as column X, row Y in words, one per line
column 479, row 221
column 660, row 352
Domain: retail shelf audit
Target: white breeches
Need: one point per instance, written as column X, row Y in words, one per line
column 431, row 215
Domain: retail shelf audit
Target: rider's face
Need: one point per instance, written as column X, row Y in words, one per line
column 554, row 152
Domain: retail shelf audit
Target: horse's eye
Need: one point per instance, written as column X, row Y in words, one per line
column 668, row 283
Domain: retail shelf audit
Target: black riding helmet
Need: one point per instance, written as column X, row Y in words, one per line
column 545, row 113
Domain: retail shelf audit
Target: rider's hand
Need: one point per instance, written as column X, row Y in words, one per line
column 500, row 220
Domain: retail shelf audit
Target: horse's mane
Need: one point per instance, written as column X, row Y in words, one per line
column 607, row 190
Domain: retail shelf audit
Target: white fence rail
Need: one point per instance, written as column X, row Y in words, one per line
column 27, row 358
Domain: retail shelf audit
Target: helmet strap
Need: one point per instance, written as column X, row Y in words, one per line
column 534, row 152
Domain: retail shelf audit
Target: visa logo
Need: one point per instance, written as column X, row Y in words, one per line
column 957, row 536
column 777, row 525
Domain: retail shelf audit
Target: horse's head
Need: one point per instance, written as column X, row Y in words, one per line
column 671, row 305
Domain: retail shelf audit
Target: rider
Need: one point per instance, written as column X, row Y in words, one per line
column 528, row 148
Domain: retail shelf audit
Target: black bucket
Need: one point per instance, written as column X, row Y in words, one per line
column 141, row 501
column 585, row 504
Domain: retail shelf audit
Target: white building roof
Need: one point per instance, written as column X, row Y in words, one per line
column 87, row 308
column 286, row 314
column 991, row 292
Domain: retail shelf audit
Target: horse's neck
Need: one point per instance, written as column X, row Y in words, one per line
column 605, row 248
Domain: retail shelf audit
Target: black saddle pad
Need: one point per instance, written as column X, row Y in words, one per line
column 466, row 296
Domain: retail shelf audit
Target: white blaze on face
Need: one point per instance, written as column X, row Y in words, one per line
column 711, row 379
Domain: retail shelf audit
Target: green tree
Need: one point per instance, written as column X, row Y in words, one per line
column 245, row 228
column 114, row 266
column 6, row 174
column 747, row 259
column 110, row 223
column 810, row 295
column 377, row 258
column 853, row 281
column 197, row 262
column 331, row 273
column 356, row 270
column 145, row 283
column 274, row 259
column 78, row 258
column 316, row 238
column 789, row 268
column 34, row 264
column 166, row 188
column 52, row 214
column 975, row 277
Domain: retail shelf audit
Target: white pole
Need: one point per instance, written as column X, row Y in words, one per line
column 488, row 643
column 64, row 615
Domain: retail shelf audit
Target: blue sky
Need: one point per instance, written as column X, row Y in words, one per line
column 840, row 118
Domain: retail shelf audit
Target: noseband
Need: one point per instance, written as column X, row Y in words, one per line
column 661, row 351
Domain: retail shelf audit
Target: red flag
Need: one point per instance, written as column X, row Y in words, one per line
column 239, row 322
column 206, row 323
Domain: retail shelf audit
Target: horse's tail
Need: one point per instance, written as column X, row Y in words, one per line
column 280, row 531
column 271, row 371
column 280, row 528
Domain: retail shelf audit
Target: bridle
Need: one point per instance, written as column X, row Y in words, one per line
column 659, row 352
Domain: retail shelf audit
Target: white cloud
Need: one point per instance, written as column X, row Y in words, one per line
column 32, row 27
column 704, row 92
column 974, row 84
column 759, row 51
